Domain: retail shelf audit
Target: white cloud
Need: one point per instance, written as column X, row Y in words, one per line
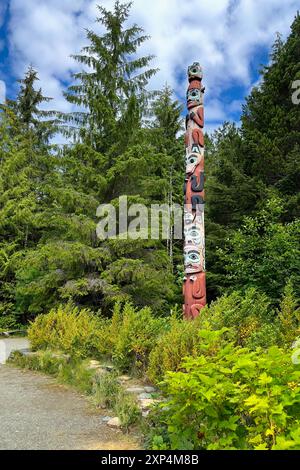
column 2, row 91
column 222, row 34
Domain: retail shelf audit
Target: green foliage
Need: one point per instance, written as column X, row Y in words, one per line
column 249, row 314
column 264, row 252
column 113, row 90
column 106, row 389
column 181, row 339
column 133, row 335
column 127, row 409
column 289, row 315
column 270, row 122
column 68, row 329
column 231, row 398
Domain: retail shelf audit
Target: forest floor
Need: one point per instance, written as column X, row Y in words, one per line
column 38, row 413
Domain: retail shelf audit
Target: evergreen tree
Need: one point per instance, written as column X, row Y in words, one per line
column 111, row 87
column 40, row 124
column 270, row 127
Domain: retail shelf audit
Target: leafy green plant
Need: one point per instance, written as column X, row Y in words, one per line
column 180, row 340
column 106, row 388
column 289, row 315
column 233, row 398
column 127, row 409
column 134, row 337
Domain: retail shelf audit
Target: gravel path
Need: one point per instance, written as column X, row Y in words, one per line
column 37, row 413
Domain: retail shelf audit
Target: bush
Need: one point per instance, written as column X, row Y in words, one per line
column 8, row 320
column 106, row 389
column 289, row 316
column 233, row 398
column 180, row 340
column 247, row 313
column 69, row 329
column 133, row 335
column 127, row 409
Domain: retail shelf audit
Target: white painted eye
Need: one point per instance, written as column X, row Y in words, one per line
column 192, row 159
column 193, row 257
column 194, row 233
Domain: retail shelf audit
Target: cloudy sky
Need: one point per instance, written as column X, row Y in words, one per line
column 231, row 39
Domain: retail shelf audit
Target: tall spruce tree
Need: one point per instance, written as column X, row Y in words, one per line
column 111, row 86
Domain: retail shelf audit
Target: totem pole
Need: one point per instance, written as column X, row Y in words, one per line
column 194, row 287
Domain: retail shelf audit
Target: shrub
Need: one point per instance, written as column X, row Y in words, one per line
column 233, row 398
column 289, row 316
column 134, row 334
column 180, row 340
column 8, row 320
column 127, row 409
column 249, row 314
column 106, row 389
column 69, row 329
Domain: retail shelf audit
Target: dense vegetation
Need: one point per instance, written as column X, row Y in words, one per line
column 119, row 298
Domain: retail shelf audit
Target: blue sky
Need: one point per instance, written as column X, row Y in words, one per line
column 230, row 38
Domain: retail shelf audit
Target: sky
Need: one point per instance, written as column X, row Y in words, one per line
column 231, row 39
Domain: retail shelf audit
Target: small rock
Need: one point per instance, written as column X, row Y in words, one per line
column 106, row 419
column 146, row 403
column 144, row 396
column 114, row 422
column 150, row 389
column 108, row 368
column 124, row 378
column 135, row 389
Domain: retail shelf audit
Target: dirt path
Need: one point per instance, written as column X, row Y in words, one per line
column 37, row 413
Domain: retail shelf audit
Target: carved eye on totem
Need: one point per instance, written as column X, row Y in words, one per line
column 192, row 258
column 193, row 235
column 195, row 71
column 192, row 160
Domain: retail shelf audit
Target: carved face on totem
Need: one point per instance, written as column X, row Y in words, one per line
column 195, row 71
column 194, row 97
column 193, row 234
column 193, row 260
column 192, row 160
column 188, row 217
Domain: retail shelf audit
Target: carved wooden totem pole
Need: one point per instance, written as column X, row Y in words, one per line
column 194, row 288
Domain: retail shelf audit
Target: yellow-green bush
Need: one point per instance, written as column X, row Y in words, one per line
column 289, row 316
column 69, row 329
column 180, row 340
column 134, row 334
